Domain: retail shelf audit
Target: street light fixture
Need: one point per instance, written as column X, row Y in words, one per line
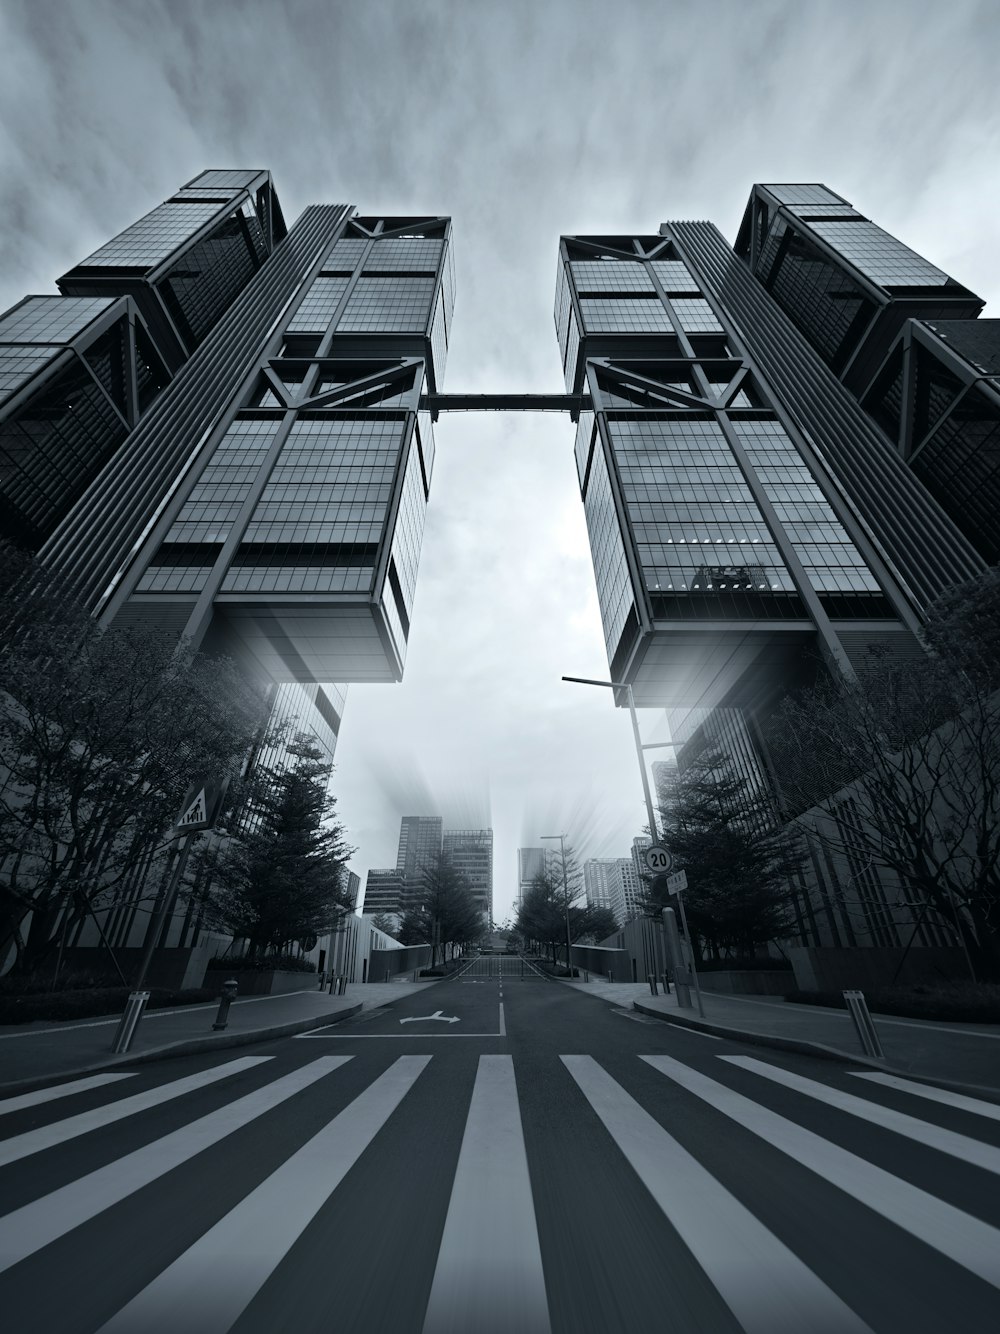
column 562, row 852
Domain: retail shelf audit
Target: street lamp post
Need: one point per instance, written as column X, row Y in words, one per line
column 562, row 853
column 639, row 750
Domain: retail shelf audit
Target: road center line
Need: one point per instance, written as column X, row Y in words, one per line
column 503, row 1026
column 488, row 1275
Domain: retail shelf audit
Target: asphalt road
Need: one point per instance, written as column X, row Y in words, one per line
column 542, row 1164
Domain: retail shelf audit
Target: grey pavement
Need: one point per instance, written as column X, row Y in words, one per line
column 32, row 1053
column 966, row 1055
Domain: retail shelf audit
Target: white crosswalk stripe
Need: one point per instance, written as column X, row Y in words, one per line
column 489, row 1269
column 34, row 1141
column 28, row 1229
column 205, row 1289
column 970, row 1243
column 21, row 1100
column 934, row 1137
column 765, row 1285
column 946, row 1097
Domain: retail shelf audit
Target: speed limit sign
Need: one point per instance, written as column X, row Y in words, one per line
column 657, row 859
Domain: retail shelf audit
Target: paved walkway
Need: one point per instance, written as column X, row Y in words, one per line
column 31, row 1053
column 965, row 1054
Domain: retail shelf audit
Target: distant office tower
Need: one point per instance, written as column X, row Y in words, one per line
column 530, row 865
column 471, row 852
column 632, row 888
column 384, row 893
column 604, row 887
column 269, row 501
column 419, row 844
column 353, row 890
column 639, row 845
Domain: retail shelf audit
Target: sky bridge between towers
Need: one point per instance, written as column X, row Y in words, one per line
column 574, row 404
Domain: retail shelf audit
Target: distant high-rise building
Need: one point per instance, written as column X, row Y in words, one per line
column 633, row 889
column 384, row 892
column 419, row 844
column 471, row 852
column 530, row 865
column 602, row 882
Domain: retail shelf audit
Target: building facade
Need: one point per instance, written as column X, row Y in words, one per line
column 779, row 462
column 471, row 852
column 602, row 883
column 530, row 865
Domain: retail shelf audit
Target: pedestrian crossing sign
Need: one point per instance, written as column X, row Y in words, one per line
column 200, row 807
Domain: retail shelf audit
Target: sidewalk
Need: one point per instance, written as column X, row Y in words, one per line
column 32, row 1053
column 961, row 1055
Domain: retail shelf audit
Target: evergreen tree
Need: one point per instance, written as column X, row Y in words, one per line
column 739, row 861
column 443, row 910
column 282, row 874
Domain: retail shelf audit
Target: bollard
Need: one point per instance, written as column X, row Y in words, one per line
column 652, row 983
column 342, row 985
column 416, row 974
column 586, row 975
column 322, row 981
column 229, row 990
column 863, row 1023
column 388, row 974
column 134, row 1007
column 611, row 975
column 333, row 982
column 666, row 984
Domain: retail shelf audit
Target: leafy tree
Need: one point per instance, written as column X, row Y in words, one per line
column 281, row 874
column 101, row 732
column 443, row 910
column 914, row 748
column 739, row 862
column 542, row 915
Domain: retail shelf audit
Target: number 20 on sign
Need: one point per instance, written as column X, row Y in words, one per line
column 657, row 859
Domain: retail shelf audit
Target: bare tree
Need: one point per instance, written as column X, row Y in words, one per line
column 912, row 751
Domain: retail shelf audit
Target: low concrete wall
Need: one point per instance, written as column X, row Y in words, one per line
column 396, row 962
column 598, row 959
column 749, row 981
column 267, row 982
column 176, row 969
column 820, row 968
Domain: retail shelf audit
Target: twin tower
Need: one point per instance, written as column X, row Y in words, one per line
column 786, row 448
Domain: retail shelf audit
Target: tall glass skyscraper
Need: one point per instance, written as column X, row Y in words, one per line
column 216, row 428
column 747, row 517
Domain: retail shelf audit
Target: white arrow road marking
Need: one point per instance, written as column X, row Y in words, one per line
column 424, row 1018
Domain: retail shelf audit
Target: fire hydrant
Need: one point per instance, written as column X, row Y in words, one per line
column 229, row 990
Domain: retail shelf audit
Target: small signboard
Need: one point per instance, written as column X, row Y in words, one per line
column 657, row 859
column 677, row 882
column 201, row 806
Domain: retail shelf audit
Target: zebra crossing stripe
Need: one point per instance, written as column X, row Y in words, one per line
column 488, row 1277
column 22, row 1100
column 34, row 1141
column 970, row 1243
column 766, row 1286
column 205, row 1289
column 28, row 1229
column 933, row 1137
column 945, row 1096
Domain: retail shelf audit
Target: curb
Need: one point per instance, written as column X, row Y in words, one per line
column 186, row 1047
column 819, row 1049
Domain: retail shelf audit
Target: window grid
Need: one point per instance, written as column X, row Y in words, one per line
column 318, row 306
column 51, row 319
column 624, row 315
column 611, row 275
column 153, row 237
column 878, row 255
column 614, row 585
column 397, row 304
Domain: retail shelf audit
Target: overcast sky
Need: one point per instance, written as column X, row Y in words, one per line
column 522, row 120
